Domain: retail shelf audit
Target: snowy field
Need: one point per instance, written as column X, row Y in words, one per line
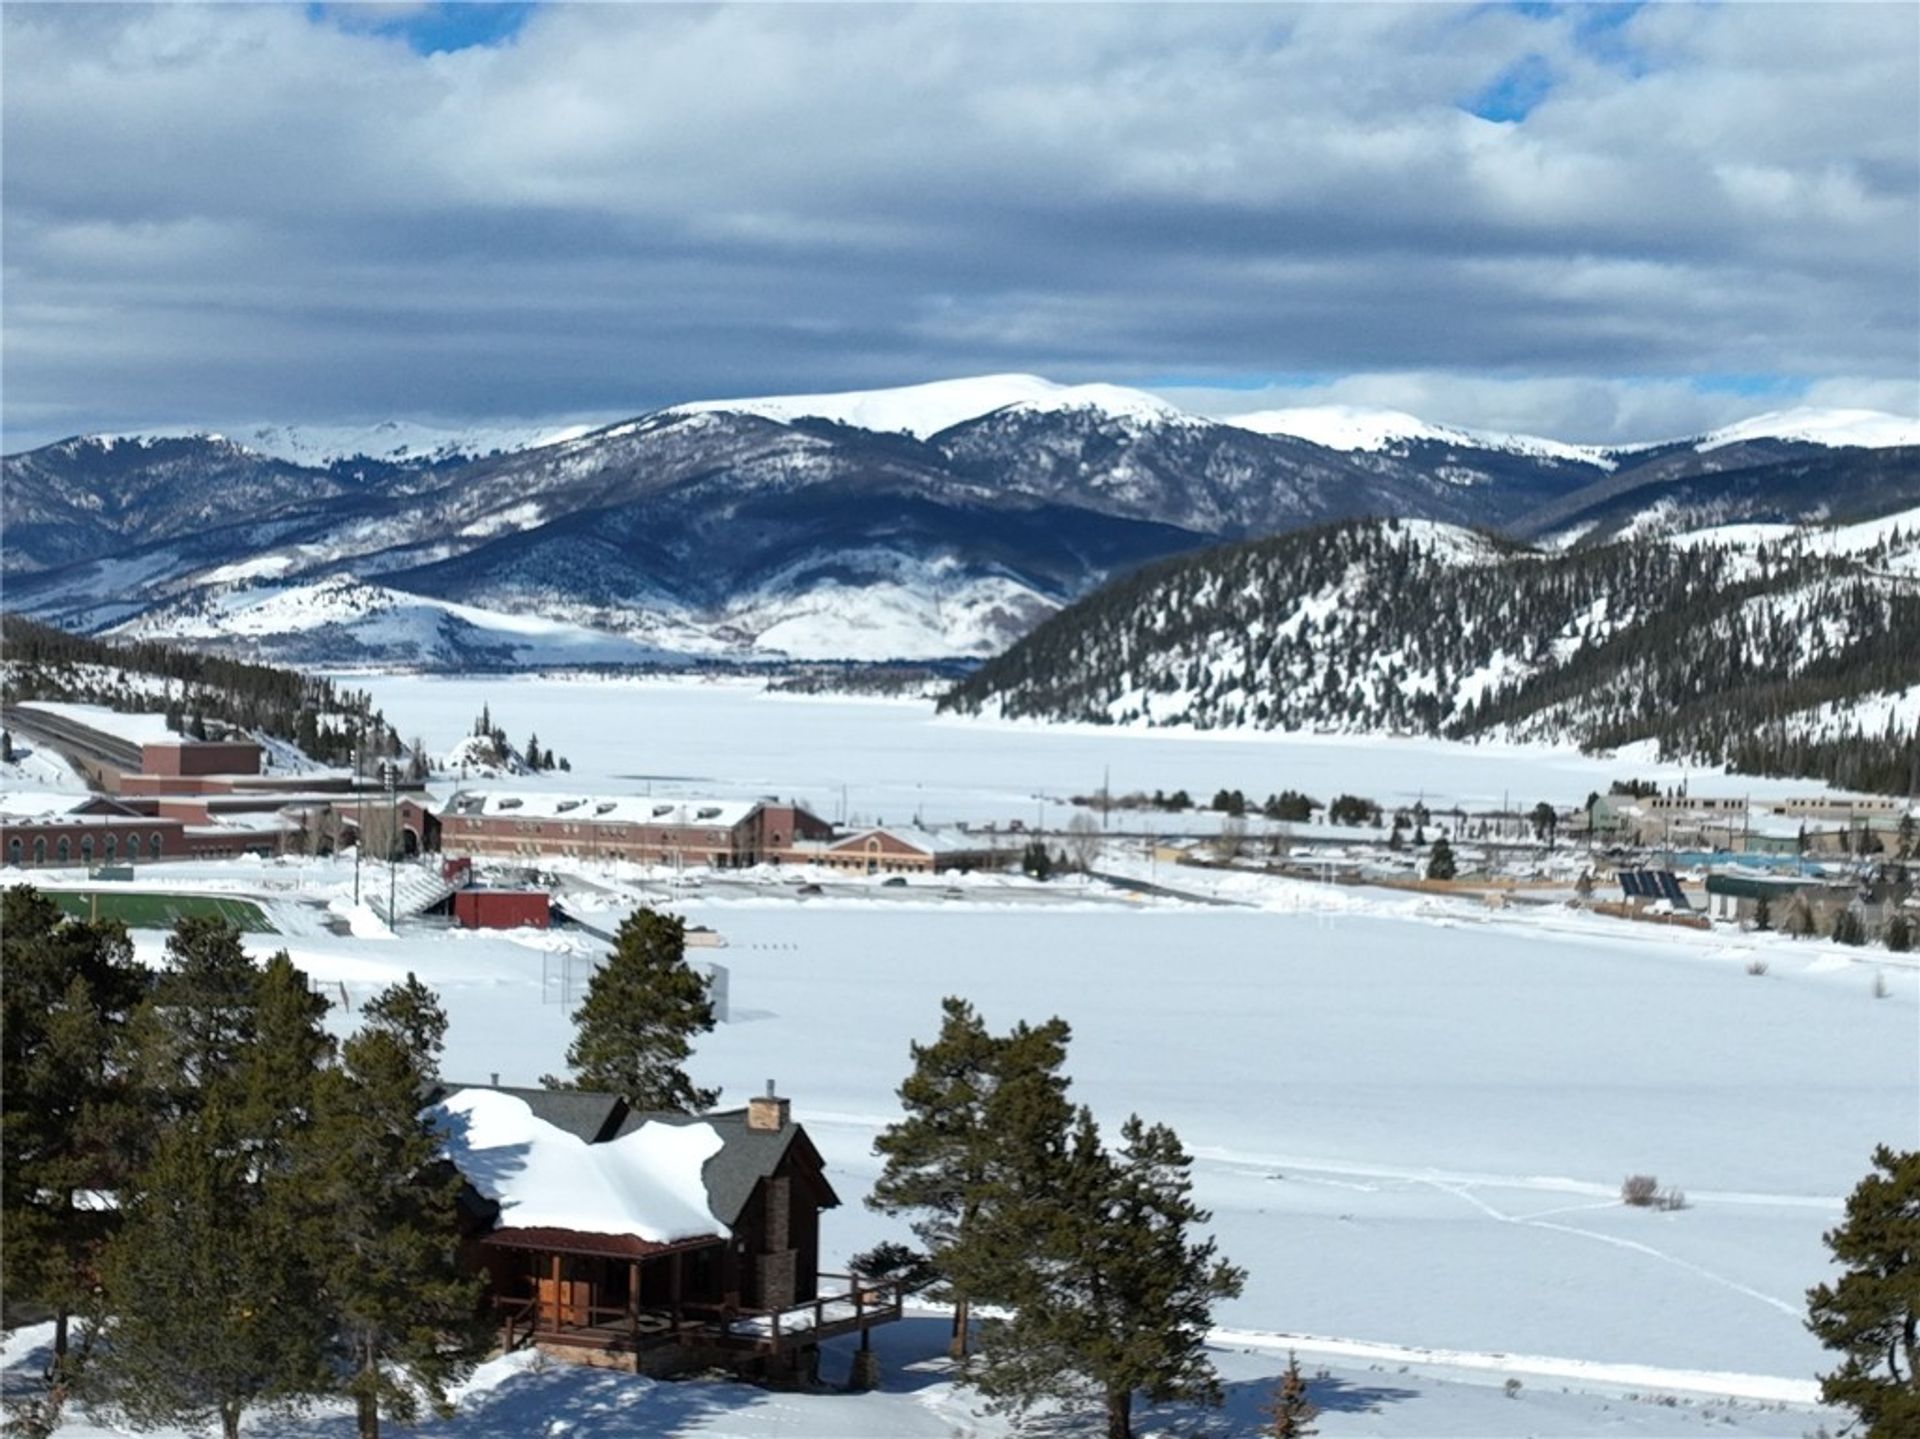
column 895, row 759
column 1411, row 1119
column 1411, row 1115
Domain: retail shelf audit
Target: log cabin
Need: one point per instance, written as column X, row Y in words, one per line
column 651, row 1242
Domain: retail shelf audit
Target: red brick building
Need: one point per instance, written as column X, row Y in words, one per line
column 725, row 834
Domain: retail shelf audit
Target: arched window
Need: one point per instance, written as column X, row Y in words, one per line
column 86, row 849
column 153, row 845
column 40, row 849
column 112, row 847
column 13, row 850
column 66, row 849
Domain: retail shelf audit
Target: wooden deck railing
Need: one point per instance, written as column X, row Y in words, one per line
column 852, row 1304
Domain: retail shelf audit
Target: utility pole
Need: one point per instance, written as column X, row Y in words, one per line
column 393, row 831
column 359, row 816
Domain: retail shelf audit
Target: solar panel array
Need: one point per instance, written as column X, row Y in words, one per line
column 1652, row 884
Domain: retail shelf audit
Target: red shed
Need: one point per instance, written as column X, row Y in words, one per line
column 500, row 908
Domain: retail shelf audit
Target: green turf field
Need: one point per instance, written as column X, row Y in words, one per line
column 158, row 911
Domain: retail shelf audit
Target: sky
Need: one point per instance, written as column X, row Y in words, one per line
column 1594, row 222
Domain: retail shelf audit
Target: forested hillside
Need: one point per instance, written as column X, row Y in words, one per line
column 310, row 711
column 1723, row 651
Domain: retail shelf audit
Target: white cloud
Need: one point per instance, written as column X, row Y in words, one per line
column 627, row 205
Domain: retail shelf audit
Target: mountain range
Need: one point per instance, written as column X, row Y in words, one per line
column 926, row 521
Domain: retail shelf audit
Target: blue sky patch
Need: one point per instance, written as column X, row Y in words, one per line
column 431, row 29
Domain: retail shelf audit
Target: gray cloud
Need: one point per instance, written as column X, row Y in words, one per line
column 220, row 213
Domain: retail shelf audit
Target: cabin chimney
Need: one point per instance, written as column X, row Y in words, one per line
column 767, row 1111
column 496, row 1079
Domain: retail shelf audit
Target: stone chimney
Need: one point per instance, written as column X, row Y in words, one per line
column 767, row 1111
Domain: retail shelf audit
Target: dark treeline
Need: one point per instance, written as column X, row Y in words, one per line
column 43, row 663
column 1383, row 626
column 278, row 1225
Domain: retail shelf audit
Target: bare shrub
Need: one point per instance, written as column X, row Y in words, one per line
column 1639, row 1190
column 1880, row 990
column 1756, row 966
column 1512, row 1386
column 1670, row 1199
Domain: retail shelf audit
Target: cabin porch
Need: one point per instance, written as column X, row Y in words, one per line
column 620, row 1312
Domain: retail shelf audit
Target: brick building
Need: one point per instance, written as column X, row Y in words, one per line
column 725, row 834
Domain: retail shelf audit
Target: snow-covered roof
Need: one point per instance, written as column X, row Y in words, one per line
column 646, row 1183
column 134, row 728
column 929, row 841
column 41, row 803
column 603, row 809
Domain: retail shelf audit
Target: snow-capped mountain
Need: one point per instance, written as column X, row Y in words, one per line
column 1350, row 427
column 918, row 410
column 396, row 442
column 926, row 521
column 1833, row 429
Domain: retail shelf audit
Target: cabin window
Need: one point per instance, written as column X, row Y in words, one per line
column 113, row 846
column 40, row 849
column 66, row 849
column 86, row 850
column 13, row 850
column 153, row 845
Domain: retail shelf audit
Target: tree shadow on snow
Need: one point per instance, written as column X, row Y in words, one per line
column 586, row 1403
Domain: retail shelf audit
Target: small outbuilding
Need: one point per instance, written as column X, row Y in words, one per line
column 501, row 908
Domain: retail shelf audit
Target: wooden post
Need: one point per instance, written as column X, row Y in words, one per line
column 559, row 1303
column 633, row 1297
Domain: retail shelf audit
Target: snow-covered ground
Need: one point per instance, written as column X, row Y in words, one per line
column 1411, row 1115
column 1411, row 1119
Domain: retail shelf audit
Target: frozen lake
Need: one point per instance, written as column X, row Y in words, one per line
column 894, row 759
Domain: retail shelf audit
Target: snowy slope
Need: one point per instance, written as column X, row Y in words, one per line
column 917, row 410
column 340, row 619
column 1356, row 428
column 1837, row 429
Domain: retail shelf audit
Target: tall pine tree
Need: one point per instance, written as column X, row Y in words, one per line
column 1101, row 1291
column 936, row 1156
column 382, row 1223
column 210, row 1297
column 634, row 1030
column 70, row 1127
column 1871, row 1314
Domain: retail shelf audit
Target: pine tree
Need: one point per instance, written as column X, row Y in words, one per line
column 1871, row 1315
column 213, row 1307
column 1899, row 934
column 1291, row 1412
column 635, row 1028
column 936, row 1156
column 1089, row 1252
column 1440, row 864
column 70, row 1122
column 203, row 1010
column 382, row 1220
